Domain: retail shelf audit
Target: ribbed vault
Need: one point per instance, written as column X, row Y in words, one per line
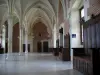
column 35, row 15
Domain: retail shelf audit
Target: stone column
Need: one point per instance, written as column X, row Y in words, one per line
column 52, row 40
column 10, row 31
column 20, row 38
column 55, row 37
column 31, row 45
column 26, row 42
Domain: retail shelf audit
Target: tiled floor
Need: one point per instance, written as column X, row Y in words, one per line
column 34, row 64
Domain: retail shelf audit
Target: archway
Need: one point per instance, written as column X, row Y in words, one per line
column 41, row 37
column 60, row 13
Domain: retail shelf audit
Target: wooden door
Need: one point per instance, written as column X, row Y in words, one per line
column 39, row 47
column 45, row 46
column 23, row 47
column 28, row 47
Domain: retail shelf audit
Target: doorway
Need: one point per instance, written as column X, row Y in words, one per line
column 61, row 37
column 28, row 47
column 23, row 47
column 45, row 46
column 39, row 47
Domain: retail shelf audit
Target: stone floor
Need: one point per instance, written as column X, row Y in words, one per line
column 34, row 64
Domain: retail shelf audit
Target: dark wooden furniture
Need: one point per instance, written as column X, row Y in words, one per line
column 79, row 51
column 55, row 51
column 81, row 61
column 89, row 62
column 92, row 42
column 83, row 64
column 96, row 60
column 64, row 53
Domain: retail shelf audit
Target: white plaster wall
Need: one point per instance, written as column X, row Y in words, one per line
column 34, row 45
column 75, row 21
column 51, row 43
column 75, row 29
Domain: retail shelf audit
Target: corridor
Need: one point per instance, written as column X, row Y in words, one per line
column 34, row 64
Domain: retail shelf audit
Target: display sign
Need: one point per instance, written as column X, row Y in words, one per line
column 73, row 35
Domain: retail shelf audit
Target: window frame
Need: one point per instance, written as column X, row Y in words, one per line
column 81, row 24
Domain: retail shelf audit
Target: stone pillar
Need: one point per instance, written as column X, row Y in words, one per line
column 26, row 42
column 31, row 45
column 10, row 31
column 55, row 37
column 20, row 38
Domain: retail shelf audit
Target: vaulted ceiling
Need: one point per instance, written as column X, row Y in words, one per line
column 31, row 11
column 3, row 9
